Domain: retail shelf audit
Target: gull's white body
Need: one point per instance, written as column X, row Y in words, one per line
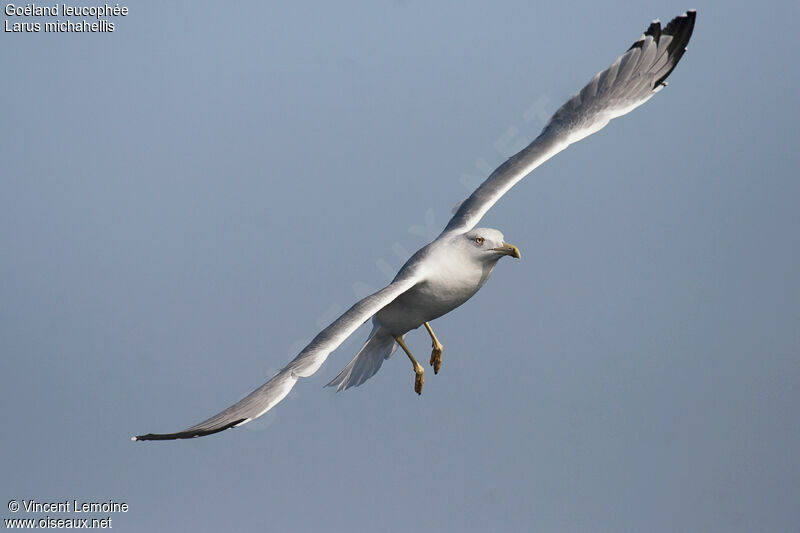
column 450, row 270
column 460, row 272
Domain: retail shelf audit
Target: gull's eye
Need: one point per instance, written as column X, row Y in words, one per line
column 479, row 240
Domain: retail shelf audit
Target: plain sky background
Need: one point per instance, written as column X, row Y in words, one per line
column 187, row 200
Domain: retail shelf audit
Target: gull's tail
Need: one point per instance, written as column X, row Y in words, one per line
column 379, row 346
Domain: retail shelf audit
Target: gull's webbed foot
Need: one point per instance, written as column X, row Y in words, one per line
column 419, row 379
column 419, row 370
column 436, row 356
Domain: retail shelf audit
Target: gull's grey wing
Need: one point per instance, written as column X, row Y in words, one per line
column 629, row 82
column 305, row 364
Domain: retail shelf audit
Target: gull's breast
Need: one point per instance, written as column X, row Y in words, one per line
column 432, row 298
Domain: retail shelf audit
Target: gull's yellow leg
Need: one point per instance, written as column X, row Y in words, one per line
column 419, row 371
column 436, row 354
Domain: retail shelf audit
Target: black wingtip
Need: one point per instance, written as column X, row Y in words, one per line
column 654, row 30
column 187, row 434
column 680, row 29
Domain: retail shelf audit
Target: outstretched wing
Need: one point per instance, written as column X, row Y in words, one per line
column 305, row 364
column 629, row 82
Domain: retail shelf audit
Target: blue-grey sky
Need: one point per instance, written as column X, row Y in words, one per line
column 187, row 200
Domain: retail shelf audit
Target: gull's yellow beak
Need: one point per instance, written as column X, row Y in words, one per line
column 508, row 249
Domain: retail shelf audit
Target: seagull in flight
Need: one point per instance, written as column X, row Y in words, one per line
column 447, row 272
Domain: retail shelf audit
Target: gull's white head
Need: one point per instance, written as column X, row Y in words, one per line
column 488, row 244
